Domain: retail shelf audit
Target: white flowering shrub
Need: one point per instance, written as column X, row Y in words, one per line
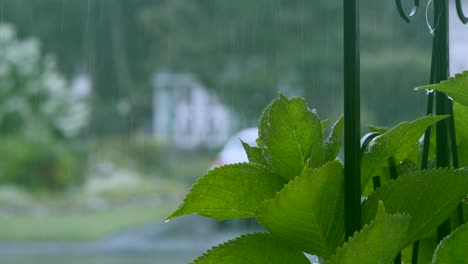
column 39, row 114
column 34, row 96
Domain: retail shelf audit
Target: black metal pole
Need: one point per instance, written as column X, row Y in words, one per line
column 425, row 159
column 441, row 49
column 439, row 72
column 352, row 117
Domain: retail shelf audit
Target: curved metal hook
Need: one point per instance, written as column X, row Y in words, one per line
column 461, row 15
column 402, row 12
column 365, row 140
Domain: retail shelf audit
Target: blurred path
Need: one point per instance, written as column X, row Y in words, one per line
column 190, row 234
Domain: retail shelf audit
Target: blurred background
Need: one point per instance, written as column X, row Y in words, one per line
column 110, row 110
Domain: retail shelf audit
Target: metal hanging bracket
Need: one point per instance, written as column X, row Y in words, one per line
column 407, row 17
column 401, row 11
column 461, row 15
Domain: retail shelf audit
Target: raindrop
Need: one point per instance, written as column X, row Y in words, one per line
column 428, row 91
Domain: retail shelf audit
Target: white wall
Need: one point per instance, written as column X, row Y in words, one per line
column 187, row 114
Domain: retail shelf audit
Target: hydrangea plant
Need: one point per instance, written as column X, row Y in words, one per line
column 293, row 185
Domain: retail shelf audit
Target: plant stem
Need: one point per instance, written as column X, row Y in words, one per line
column 442, row 151
column 352, row 117
column 392, row 166
column 376, row 182
column 415, row 253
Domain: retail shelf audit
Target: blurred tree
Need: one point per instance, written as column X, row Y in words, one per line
column 245, row 50
column 100, row 38
column 248, row 50
column 39, row 114
column 35, row 99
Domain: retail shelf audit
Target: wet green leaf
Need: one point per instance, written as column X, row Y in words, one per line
column 333, row 143
column 453, row 248
column 254, row 154
column 231, row 191
column 378, row 242
column 455, row 87
column 429, row 196
column 398, row 142
column 460, row 114
column 309, row 212
column 324, row 124
column 290, row 135
column 253, row 248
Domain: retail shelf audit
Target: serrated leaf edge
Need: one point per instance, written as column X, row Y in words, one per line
column 357, row 234
column 442, row 242
column 175, row 213
column 243, row 236
column 287, row 186
column 390, row 183
column 460, row 75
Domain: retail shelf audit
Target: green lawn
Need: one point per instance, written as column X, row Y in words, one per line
column 166, row 258
column 78, row 226
column 143, row 186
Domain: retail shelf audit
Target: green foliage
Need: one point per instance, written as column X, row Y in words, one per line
column 300, row 200
column 398, row 142
column 429, row 196
column 455, row 87
column 35, row 99
column 40, row 164
column 371, row 244
column 290, row 136
column 381, row 130
column 453, row 249
column 333, row 143
column 122, row 42
column 254, row 154
column 324, row 124
column 460, row 114
column 141, row 153
column 308, row 212
column 251, row 248
column 225, row 192
column 152, row 158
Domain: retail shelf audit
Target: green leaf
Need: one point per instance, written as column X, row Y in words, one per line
column 378, row 129
column 455, row 87
column 231, row 191
column 453, row 248
column 378, row 242
column 253, row 248
column 430, row 196
column 397, row 142
column 309, row 211
column 324, row 124
column 254, row 154
column 333, row 143
column 290, row 134
column 460, row 115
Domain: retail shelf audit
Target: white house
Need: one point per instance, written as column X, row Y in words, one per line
column 187, row 114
